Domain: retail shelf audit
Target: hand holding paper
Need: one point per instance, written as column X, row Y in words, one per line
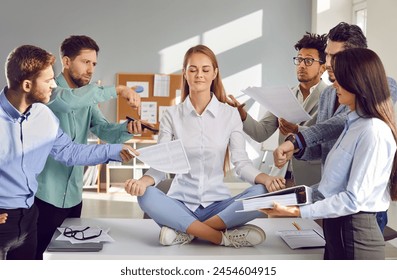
column 167, row 157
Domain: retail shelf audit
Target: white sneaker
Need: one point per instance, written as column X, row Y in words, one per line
column 244, row 236
column 169, row 236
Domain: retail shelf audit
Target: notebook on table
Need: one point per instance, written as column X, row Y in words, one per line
column 66, row 246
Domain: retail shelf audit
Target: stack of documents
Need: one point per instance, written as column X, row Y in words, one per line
column 298, row 195
column 62, row 243
column 307, row 238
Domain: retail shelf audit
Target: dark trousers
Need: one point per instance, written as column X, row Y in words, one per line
column 18, row 236
column 353, row 237
column 50, row 218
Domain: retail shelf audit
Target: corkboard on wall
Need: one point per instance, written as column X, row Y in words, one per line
column 124, row 110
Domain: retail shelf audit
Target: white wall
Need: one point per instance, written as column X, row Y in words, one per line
column 382, row 32
column 381, row 25
column 253, row 39
column 328, row 13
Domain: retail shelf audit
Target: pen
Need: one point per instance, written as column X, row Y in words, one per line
column 297, row 226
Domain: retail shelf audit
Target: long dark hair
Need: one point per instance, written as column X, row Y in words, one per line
column 361, row 72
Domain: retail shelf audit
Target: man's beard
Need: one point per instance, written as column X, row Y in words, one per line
column 306, row 80
column 78, row 82
column 36, row 98
column 331, row 77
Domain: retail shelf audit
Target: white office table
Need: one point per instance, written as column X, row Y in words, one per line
column 138, row 239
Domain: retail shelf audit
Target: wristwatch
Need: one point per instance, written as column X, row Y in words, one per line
column 292, row 139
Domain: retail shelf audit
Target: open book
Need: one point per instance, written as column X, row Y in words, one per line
column 298, row 195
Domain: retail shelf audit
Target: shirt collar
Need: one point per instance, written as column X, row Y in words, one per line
column 60, row 80
column 351, row 117
column 10, row 110
column 310, row 90
column 212, row 107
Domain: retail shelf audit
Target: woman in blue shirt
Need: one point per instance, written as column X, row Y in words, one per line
column 199, row 203
column 359, row 177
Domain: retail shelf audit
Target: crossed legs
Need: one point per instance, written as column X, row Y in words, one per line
column 205, row 223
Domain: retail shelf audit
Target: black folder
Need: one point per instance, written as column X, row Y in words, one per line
column 298, row 195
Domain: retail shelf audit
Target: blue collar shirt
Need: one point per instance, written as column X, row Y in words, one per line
column 357, row 170
column 26, row 142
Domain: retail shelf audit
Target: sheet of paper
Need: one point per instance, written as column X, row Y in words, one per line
column 149, row 111
column 280, row 101
column 302, row 238
column 161, row 85
column 167, row 157
column 104, row 237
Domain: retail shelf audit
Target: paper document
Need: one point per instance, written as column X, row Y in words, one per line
column 280, row 101
column 306, row 238
column 167, row 157
column 298, row 195
column 161, row 85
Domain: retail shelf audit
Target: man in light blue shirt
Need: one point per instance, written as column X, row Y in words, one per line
column 30, row 132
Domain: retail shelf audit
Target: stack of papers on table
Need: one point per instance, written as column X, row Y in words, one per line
column 306, row 238
column 61, row 243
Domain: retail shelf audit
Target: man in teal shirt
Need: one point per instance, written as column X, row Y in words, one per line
column 59, row 194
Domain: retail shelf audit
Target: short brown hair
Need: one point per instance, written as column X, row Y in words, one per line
column 25, row 63
column 73, row 45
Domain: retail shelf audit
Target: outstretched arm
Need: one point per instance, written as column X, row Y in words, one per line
column 65, row 100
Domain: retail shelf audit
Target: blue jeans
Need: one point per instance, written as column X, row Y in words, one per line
column 167, row 211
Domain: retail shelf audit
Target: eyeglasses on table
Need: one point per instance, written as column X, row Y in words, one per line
column 80, row 234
